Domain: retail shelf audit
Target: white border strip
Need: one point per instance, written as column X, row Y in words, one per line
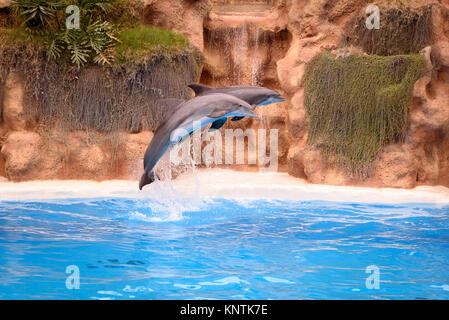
column 220, row 183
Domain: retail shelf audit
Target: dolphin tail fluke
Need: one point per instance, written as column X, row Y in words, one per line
column 146, row 179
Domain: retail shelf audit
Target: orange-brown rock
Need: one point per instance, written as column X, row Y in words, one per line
column 13, row 111
column 75, row 155
column 21, row 152
column 134, row 150
column 269, row 47
column 395, row 167
column 183, row 16
column 422, row 158
column 5, row 3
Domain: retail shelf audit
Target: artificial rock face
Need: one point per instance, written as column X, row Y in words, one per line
column 273, row 48
column 5, row 3
column 13, row 109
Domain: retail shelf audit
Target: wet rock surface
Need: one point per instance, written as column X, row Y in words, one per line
column 269, row 47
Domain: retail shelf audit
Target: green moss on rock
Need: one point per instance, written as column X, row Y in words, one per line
column 402, row 31
column 148, row 64
column 357, row 104
column 140, row 42
column 103, row 98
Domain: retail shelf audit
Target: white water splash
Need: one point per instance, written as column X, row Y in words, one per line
column 168, row 203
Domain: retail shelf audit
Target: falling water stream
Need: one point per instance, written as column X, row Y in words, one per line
column 242, row 51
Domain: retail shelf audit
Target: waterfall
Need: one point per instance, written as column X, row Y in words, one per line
column 239, row 54
column 233, row 56
column 256, row 61
column 241, row 49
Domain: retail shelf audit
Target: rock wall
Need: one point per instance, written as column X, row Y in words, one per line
column 180, row 15
column 312, row 26
column 34, row 153
column 5, row 3
column 422, row 157
column 39, row 138
column 281, row 40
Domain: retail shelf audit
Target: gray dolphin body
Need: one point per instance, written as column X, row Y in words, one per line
column 182, row 121
column 256, row 96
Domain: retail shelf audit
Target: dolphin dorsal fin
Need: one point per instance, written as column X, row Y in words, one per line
column 199, row 88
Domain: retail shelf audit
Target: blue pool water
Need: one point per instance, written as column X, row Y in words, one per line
column 223, row 249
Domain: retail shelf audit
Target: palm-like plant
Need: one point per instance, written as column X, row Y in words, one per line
column 93, row 41
column 101, row 38
column 38, row 13
column 92, row 5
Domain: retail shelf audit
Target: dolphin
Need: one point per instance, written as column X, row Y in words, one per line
column 256, row 96
column 182, row 121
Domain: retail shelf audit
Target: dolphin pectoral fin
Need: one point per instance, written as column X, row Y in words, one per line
column 237, row 118
column 199, row 88
column 147, row 178
column 217, row 124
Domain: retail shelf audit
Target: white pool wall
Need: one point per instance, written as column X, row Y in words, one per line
column 220, row 183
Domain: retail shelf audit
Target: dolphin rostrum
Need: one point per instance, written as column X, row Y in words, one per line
column 256, row 96
column 186, row 118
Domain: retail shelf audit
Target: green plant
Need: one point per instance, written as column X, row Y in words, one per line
column 147, row 64
column 357, row 104
column 119, row 97
column 38, row 13
column 140, row 42
column 109, row 31
column 92, row 5
column 95, row 41
column 402, row 31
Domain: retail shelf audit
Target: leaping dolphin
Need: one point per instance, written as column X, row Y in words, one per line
column 256, row 96
column 182, row 121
